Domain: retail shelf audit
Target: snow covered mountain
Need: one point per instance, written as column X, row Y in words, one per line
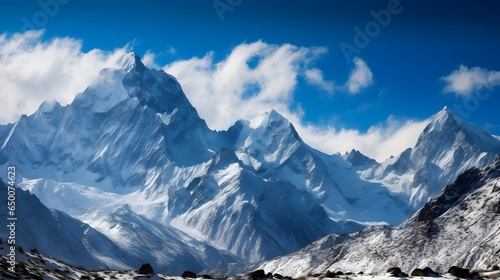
column 460, row 227
column 131, row 159
column 447, row 147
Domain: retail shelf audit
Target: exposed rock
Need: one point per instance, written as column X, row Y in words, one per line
column 330, row 274
column 459, row 272
column 278, row 276
column 419, row 272
column 258, row 274
column 430, row 272
column 188, row 274
column 396, row 272
column 146, row 269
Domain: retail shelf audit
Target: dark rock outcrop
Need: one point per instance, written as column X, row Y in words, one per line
column 188, row 274
column 258, row 274
column 146, row 269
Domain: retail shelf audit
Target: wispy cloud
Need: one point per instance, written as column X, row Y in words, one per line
column 464, row 81
column 315, row 77
column 360, row 78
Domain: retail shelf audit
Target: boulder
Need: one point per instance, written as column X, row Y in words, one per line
column 146, row 269
column 430, row 272
column 419, row 272
column 188, row 274
column 330, row 274
column 394, row 271
column 258, row 274
column 459, row 272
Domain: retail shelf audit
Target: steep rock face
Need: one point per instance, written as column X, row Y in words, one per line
column 458, row 227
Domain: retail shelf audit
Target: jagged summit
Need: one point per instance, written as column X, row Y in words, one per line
column 268, row 118
column 356, row 158
column 446, row 126
column 274, row 123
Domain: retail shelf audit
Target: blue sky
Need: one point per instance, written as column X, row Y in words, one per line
column 407, row 56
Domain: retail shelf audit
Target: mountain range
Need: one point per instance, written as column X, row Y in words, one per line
column 129, row 173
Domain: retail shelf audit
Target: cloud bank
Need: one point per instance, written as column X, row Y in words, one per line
column 252, row 79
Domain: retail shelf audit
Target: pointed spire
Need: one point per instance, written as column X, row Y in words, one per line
column 129, row 61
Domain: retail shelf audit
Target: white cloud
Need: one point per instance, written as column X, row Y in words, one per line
column 464, row 81
column 253, row 78
column 149, row 60
column 32, row 71
column 360, row 78
column 315, row 77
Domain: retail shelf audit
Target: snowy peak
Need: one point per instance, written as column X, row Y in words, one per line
column 268, row 119
column 446, row 125
column 129, row 61
column 270, row 140
column 274, row 118
column 274, row 124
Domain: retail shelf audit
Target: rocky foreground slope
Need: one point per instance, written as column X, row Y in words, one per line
column 459, row 227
